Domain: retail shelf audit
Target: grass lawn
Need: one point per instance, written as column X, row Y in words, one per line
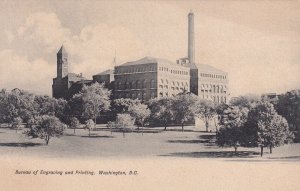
column 152, row 143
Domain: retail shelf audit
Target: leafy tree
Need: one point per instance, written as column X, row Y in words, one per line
column 74, row 123
column 231, row 131
column 206, row 111
column 140, row 112
column 265, row 128
column 94, row 99
column 161, row 110
column 46, row 128
column 14, row 104
column 89, row 124
column 110, row 125
column 288, row 106
column 124, row 121
column 249, row 101
column 123, row 104
column 45, row 105
column 17, row 123
column 184, row 108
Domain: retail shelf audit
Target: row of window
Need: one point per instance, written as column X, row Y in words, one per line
column 135, row 69
column 173, row 71
column 217, row 99
column 174, row 83
column 213, row 88
column 140, row 96
column 134, row 84
column 173, row 88
column 213, row 76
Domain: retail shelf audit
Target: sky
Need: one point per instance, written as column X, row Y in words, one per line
column 256, row 42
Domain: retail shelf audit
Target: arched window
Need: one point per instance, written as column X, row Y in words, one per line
column 144, row 84
column 152, row 95
column 120, row 85
column 138, row 84
column 152, row 83
column 127, row 85
column 132, row 84
column 217, row 89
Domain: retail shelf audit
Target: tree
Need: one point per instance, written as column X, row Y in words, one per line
column 265, row 128
column 124, row 121
column 249, row 101
column 17, row 122
column 288, row 106
column 231, row 131
column 184, row 108
column 122, row 105
column 161, row 110
column 140, row 112
column 89, row 124
column 94, row 99
column 74, row 123
column 45, row 105
column 206, row 111
column 46, row 128
column 14, row 104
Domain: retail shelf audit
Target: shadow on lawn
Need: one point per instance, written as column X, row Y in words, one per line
column 216, row 154
column 189, row 141
column 27, row 144
column 97, row 136
column 208, row 140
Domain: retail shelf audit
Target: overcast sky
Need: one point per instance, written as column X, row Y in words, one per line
column 256, row 42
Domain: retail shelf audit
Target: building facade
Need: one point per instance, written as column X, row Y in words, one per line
column 150, row 77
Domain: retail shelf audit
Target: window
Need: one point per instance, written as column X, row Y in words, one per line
column 139, row 96
column 152, row 95
column 138, row 84
column 144, row 84
column 152, row 84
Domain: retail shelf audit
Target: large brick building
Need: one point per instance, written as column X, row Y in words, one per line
column 149, row 77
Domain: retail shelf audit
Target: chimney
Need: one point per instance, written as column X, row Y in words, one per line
column 191, row 40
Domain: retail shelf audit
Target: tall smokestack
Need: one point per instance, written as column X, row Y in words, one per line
column 191, row 39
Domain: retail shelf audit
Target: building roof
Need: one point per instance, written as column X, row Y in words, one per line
column 147, row 60
column 209, row 68
column 62, row 50
column 106, row 72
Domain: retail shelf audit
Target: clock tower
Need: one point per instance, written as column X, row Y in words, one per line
column 62, row 62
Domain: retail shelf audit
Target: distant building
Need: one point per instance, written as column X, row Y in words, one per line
column 150, row 77
column 64, row 80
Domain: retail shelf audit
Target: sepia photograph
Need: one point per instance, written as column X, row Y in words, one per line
column 149, row 95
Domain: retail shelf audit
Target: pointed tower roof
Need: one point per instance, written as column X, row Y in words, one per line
column 62, row 50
